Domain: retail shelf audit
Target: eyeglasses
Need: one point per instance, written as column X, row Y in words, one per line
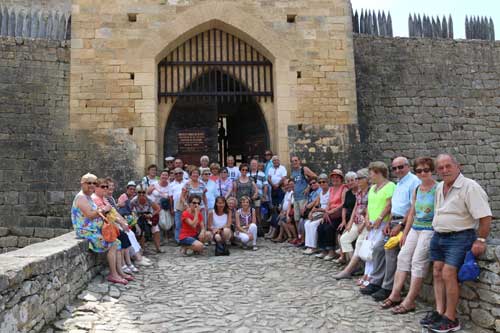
column 104, row 186
column 91, row 183
column 398, row 167
column 359, row 178
column 426, row 170
column 321, row 182
column 195, row 202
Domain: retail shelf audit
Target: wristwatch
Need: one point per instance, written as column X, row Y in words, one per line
column 482, row 240
column 401, row 223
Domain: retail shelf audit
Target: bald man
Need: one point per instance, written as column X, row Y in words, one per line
column 385, row 261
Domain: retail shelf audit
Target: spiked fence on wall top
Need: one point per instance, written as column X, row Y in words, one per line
column 371, row 23
column 34, row 24
column 479, row 28
column 430, row 27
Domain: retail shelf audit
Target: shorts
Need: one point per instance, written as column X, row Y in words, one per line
column 451, row 247
column 188, row 241
column 256, row 203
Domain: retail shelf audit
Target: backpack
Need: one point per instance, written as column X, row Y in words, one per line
column 221, row 249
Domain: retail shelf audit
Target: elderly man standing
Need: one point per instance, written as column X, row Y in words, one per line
column 300, row 175
column 385, row 261
column 461, row 207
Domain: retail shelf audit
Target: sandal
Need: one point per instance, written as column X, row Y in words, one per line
column 389, row 303
column 365, row 284
column 401, row 309
column 120, row 281
column 359, row 282
column 128, row 277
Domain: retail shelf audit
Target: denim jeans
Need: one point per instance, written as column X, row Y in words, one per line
column 177, row 220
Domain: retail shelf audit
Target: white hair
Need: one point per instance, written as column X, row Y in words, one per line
column 350, row 175
column 204, row 157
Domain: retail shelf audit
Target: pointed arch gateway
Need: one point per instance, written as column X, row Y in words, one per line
column 217, row 84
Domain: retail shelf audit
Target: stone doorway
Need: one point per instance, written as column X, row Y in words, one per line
column 216, row 127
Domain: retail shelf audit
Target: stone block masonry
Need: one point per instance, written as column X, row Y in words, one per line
column 38, row 281
column 41, row 159
column 419, row 97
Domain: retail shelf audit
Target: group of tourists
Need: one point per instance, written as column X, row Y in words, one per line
column 362, row 221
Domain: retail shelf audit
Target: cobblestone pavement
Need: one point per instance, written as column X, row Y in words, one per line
column 274, row 289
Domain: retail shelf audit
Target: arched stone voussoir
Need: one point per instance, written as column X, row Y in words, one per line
column 229, row 17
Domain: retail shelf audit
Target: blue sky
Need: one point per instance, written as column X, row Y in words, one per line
column 457, row 8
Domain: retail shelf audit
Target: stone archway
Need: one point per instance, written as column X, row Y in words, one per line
column 216, row 77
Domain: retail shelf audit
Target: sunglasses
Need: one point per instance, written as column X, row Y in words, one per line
column 322, row 182
column 244, row 169
column 399, row 167
column 359, row 178
column 426, row 170
column 91, row 183
column 207, row 174
column 312, row 183
column 104, row 186
column 141, row 192
column 195, row 203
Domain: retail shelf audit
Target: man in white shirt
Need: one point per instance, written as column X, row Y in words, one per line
column 175, row 191
column 179, row 164
column 276, row 177
column 233, row 171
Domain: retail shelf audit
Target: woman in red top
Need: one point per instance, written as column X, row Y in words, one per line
column 192, row 234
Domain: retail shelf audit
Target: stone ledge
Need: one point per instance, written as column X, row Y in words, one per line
column 38, row 281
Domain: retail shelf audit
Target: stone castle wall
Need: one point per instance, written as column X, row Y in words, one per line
column 421, row 97
column 41, row 159
column 116, row 46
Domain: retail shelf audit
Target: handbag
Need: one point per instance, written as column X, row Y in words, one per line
column 165, row 220
column 366, row 250
column 221, row 249
column 109, row 230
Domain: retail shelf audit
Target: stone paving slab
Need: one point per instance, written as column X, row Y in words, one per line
column 275, row 289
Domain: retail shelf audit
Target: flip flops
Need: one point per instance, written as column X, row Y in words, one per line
column 119, row 281
column 389, row 303
column 401, row 309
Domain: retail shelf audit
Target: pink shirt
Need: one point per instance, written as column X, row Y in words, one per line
column 336, row 197
column 100, row 202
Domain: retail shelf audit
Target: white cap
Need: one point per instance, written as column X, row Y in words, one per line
column 131, row 183
column 169, row 159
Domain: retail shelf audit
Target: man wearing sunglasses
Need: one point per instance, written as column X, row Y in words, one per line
column 175, row 191
column 385, row 261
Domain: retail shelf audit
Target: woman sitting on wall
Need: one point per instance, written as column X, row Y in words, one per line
column 148, row 217
column 87, row 222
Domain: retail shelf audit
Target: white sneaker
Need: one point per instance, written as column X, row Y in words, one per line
column 133, row 268
column 143, row 263
column 255, row 248
column 308, row 251
column 328, row 258
column 320, row 255
column 127, row 270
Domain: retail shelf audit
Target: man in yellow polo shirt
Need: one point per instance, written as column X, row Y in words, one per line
column 462, row 220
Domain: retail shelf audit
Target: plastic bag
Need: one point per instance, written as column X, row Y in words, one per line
column 366, row 250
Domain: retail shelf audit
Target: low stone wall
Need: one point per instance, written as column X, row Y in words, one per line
column 15, row 238
column 479, row 301
column 38, row 281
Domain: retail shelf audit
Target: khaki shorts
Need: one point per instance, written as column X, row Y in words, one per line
column 297, row 207
column 256, row 203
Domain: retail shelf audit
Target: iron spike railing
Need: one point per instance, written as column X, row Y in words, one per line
column 369, row 22
column 35, row 24
column 479, row 28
